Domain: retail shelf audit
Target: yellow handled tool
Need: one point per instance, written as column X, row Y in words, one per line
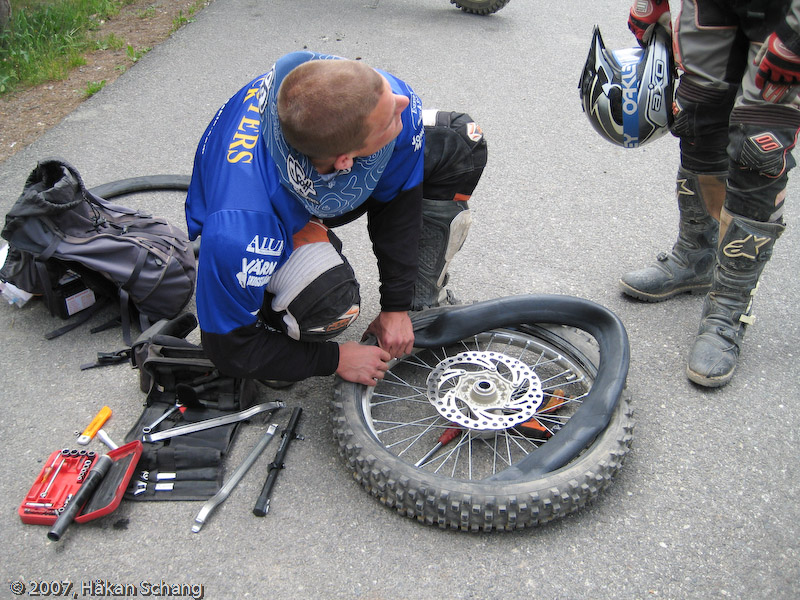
column 94, row 426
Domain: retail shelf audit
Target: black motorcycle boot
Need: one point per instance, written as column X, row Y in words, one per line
column 689, row 266
column 445, row 224
column 727, row 310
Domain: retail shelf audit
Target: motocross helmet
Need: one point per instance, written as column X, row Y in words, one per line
column 627, row 94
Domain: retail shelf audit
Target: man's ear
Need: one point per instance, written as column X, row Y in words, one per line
column 343, row 162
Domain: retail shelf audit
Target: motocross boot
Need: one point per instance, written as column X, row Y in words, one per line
column 445, row 224
column 689, row 266
column 745, row 248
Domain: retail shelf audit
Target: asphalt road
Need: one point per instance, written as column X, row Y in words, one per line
column 706, row 504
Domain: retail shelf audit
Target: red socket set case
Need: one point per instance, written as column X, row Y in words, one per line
column 62, row 475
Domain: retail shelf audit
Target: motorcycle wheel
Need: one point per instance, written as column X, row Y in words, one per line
column 480, row 7
column 499, row 394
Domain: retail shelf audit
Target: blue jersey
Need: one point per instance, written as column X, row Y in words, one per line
column 239, row 203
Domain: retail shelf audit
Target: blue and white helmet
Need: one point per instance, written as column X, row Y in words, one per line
column 627, row 94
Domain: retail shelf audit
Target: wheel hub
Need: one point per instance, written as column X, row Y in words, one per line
column 484, row 390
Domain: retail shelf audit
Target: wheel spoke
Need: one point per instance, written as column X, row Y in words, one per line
column 400, row 424
column 487, row 385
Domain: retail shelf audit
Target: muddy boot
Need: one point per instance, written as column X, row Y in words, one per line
column 745, row 248
column 445, row 224
column 689, row 266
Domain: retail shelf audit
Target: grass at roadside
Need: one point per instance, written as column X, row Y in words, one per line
column 46, row 39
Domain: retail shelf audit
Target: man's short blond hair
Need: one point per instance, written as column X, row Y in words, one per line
column 323, row 106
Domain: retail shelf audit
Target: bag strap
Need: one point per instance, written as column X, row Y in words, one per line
column 137, row 268
column 44, row 278
column 84, row 316
column 125, row 316
column 109, row 358
column 48, row 252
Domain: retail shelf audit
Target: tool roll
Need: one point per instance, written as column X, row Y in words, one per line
column 177, row 377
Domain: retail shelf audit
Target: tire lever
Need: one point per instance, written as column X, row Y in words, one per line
column 211, row 423
column 226, row 489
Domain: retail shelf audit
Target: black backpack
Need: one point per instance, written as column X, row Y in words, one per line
column 59, row 232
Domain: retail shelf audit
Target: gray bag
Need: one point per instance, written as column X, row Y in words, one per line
column 57, row 225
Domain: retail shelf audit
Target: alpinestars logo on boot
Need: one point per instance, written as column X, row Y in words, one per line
column 683, row 188
column 746, row 248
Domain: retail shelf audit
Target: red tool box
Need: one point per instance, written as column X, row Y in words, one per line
column 63, row 474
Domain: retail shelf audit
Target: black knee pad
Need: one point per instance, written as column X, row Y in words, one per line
column 314, row 296
column 455, row 155
column 762, row 138
column 701, row 123
column 761, row 142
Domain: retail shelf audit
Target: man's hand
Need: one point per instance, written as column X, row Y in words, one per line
column 362, row 364
column 394, row 332
column 778, row 69
column 644, row 15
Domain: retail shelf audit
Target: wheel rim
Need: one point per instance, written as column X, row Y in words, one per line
column 473, row 409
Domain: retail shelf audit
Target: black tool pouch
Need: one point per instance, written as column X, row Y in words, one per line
column 173, row 371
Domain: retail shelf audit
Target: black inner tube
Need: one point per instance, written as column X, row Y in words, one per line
column 453, row 324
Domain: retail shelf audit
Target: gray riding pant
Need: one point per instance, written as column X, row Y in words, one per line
column 724, row 124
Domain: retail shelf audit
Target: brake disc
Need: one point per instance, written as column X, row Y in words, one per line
column 484, row 391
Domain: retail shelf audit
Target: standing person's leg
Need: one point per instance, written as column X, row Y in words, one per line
column 762, row 136
column 710, row 52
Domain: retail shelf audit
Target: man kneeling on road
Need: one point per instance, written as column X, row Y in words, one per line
column 314, row 143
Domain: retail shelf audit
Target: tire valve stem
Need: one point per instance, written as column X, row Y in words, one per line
column 448, row 436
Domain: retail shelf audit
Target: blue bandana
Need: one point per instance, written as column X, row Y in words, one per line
column 322, row 195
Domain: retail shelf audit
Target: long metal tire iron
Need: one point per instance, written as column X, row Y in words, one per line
column 226, row 489
column 211, row 423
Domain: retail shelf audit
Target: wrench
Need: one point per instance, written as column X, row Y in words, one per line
column 215, row 422
column 168, row 413
column 52, row 479
column 137, row 487
column 103, row 437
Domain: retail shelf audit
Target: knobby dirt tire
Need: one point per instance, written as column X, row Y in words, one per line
column 480, row 7
column 488, row 501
